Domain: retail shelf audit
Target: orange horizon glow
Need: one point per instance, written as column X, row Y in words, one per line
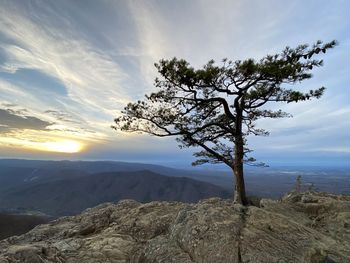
column 58, row 146
column 63, row 146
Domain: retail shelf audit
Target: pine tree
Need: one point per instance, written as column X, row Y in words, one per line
column 216, row 107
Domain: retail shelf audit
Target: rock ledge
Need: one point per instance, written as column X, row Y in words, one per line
column 307, row 227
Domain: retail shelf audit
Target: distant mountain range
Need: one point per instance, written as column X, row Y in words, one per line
column 17, row 171
column 69, row 196
column 67, row 187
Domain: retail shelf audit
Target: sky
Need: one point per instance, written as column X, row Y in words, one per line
column 67, row 69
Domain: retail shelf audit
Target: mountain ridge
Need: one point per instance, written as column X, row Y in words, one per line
column 68, row 196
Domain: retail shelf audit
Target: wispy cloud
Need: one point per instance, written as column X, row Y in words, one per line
column 62, row 116
column 91, row 77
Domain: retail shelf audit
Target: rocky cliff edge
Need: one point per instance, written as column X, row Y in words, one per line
column 306, row 227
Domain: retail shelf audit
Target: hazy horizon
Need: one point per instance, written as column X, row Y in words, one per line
column 208, row 167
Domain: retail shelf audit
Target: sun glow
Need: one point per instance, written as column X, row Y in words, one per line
column 48, row 145
column 63, row 146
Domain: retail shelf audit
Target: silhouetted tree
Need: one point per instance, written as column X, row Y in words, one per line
column 216, row 107
column 298, row 184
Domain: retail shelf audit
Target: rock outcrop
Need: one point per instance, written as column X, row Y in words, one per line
column 308, row 227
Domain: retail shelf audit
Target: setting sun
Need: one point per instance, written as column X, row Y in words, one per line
column 46, row 144
column 63, row 146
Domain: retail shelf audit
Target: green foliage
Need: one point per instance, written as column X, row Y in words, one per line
column 214, row 106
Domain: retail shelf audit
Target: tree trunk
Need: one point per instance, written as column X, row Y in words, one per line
column 239, row 193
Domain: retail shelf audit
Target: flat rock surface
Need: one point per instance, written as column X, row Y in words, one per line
column 307, row 227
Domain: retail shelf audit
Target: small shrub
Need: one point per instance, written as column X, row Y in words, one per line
column 253, row 200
